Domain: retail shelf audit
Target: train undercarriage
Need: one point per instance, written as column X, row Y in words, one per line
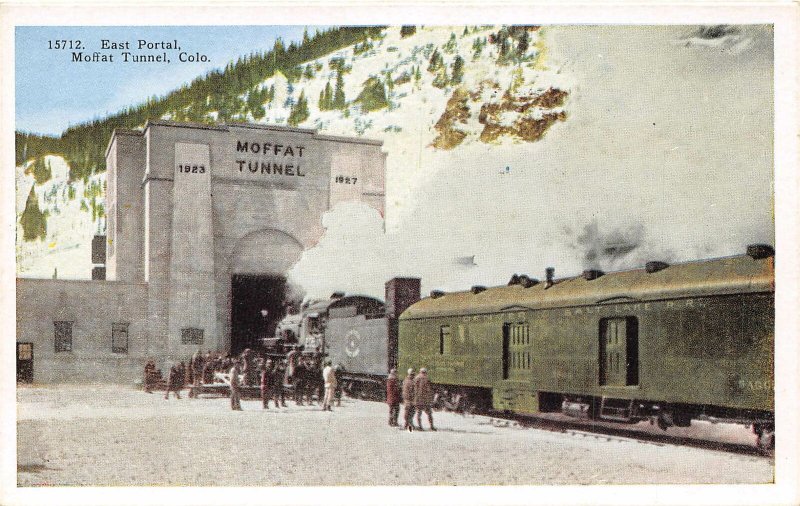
column 623, row 411
column 662, row 414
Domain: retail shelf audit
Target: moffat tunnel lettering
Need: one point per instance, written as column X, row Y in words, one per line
column 287, row 154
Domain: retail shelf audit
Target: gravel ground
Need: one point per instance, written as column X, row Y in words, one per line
column 101, row 435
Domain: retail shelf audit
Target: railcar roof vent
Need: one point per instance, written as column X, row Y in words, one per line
column 550, row 273
column 527, row 281
column 514, row 280
column 655, row 266
column 435, row 294
column 759, row 251
column 477, row 289
column 590, row 274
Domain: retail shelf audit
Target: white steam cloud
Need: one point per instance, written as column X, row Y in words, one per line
column 666, row 154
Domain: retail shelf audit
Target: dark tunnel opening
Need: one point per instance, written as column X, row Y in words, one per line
column 257, row 305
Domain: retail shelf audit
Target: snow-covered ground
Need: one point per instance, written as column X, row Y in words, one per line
column 104, row 435
column 70, row 224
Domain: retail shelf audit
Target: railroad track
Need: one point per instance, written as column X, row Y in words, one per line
column 612, row 432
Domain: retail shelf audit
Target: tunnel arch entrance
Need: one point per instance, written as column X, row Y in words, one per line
column 259, row 289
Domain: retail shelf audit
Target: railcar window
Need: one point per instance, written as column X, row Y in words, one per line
column 315, row 325
column 444, row 340
column 24, row 351
column 63, row 336
column 516, row 351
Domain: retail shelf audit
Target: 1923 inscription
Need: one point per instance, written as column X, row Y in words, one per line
column 192, row 169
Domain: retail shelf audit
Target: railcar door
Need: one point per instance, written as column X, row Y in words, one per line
column 516, row 351
column 24, row 362
column 619, row 352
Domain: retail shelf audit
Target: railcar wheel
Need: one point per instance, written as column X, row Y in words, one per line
column 664, row 420
column 766, row 442
column 471, row 409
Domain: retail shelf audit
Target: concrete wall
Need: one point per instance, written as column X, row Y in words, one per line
column 92, row 306
column 192, row 303
column 125, row 165
column 175, row 239
column 251, row 205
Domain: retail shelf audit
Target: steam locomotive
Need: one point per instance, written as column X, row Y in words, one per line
column 670, row 343
column 358, row 333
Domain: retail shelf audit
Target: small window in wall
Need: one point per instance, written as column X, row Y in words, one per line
column 119, row 337
column 63, row 336
column 444, row 339
column 192, row 336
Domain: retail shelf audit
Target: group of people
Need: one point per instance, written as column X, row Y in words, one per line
column 306, row 374
column 416, row 394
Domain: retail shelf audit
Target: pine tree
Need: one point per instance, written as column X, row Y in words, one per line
column 458, row 70
column 299, row 112
column 339, row 101
column 477, row 48
column 435, row 61
column 407, row 31
column 33, row 221
column 451, row 44
column 466, row 32
column 326, row 98
column 41, row 171
column 503, row 50
column 517, row 80
column 440, row 81
column 523, row 44
column 373, row 96
column 503, row 46
column 258, row 112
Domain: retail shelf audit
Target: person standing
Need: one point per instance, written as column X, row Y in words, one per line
column 208, row 369
column 317, row 385
column 278, row 376
column 266, row 387
column 173, row 382
column 329, row 377
column 291, row 359
column 236, row 404
column 299, row 377
column 196, row 366
column 393, row 397
column 181, row 375
column 423, row 397
column 337, row 372
column 149, row 373
column 408, row 400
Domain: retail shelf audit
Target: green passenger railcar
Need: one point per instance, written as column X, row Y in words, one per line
column 671, row 342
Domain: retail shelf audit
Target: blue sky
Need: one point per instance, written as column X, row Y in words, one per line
column 52, row 92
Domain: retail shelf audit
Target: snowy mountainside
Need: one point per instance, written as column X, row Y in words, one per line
column 501, row 93
column 74, row 212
